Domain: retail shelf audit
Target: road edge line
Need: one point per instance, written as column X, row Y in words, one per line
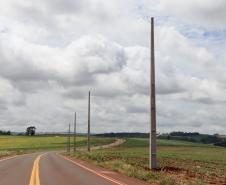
column 12, row 157
column 92, row 171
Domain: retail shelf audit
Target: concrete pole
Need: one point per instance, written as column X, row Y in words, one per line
column 66, row 141
column 153, row 150
column 69, row 142
column 88, row 135
column 75, row 133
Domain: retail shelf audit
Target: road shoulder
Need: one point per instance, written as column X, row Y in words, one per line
column 105, row 173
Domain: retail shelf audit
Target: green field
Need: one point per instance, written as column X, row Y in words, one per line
column 21, row 144
column 180, row 162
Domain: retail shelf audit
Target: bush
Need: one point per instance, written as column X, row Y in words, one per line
column 211, row 139
column 5, row 132
column 223, row 144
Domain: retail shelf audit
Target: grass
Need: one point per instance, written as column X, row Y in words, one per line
column 180, row 162
column 21, row 144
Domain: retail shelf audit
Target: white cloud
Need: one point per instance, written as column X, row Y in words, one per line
column 52, row 53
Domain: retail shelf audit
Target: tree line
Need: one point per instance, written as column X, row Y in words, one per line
column 30, row 131
column 5, row 132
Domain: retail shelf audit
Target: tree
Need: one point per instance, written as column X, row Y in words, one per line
column 30, row 131
column 5, row 132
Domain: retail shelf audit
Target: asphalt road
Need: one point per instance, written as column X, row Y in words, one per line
column 53, row 169
column 17, row 171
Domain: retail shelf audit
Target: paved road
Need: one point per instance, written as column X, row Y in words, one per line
column 16, row 171
column 53, row 169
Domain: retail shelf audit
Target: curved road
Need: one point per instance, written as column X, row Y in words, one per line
column 53, row 169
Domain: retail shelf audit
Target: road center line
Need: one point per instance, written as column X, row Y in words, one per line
column 34, row 179
column 93, row 171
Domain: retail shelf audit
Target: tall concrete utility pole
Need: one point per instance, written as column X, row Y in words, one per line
column 153, row 150
column 75, row 133
column 69, row 142
column 88, row 135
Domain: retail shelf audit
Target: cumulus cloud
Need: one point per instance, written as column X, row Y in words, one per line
column 53, row 53
column 29, row 65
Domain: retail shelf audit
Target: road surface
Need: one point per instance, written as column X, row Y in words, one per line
column 54, row 169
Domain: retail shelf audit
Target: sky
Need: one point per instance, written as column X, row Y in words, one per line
column 52, row 52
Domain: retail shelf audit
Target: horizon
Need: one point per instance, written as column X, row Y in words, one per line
column 92, row 133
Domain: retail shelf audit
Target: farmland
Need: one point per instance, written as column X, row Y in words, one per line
column 180, row 162
column 21, row 144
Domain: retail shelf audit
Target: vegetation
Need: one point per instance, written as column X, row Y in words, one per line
column 222, row 144
column 195, row 137
column 19, row 144
column 180, row 162
column 30, row 131
column 124, row 134
column 5, row 132
column 182, row 136
column 184, row 133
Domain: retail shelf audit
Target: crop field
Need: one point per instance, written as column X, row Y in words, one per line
column 21, row 144
column 180, row 162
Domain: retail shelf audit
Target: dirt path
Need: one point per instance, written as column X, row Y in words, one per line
column 114, row 144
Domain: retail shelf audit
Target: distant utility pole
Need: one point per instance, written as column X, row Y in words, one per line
column 88, row 135
column 75, row 133
column 153, row 150
column 69, row 142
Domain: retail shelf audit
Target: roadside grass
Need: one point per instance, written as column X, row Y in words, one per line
column 180, row 162
column 11, row 145
column 4, row 154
